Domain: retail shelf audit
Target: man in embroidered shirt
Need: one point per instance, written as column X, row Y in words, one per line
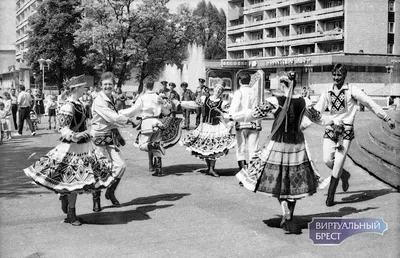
column 247, row 133
column 24, row 106
column 105, row 122
column 342, row 101
column 149, row 106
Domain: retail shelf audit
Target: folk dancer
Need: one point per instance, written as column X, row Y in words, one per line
column 247, row 133
column 342, row 101
column 75, row 165
column 149, row 106
column 105, row 122
column 212, row 138
column 282, row 168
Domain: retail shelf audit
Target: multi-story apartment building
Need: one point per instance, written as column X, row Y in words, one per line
column 16, row 71
column 309, row 36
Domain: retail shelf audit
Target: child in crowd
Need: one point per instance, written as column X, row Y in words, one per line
column 3, row 124
column 51, row 107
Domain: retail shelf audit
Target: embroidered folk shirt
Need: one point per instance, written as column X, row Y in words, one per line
column 344, row 103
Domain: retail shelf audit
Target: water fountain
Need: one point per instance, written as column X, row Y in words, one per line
column 193, row 68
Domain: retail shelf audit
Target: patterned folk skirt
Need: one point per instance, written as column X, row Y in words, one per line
column 209, row 141
column 171, row 132
column 72, row 167
column 281, row 170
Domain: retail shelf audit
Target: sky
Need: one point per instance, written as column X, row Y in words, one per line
column 172, row 4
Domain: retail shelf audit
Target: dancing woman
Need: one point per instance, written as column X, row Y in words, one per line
column 73, row 166
column 282, row 168
column 212, row 138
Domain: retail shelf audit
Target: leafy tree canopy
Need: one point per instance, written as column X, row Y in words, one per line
column 52, row 37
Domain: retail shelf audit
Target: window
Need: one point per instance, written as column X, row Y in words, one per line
column 256, row 2
column 285, row 12
column 391, row 5
column 391, row 27
column 257, row 35
column 270, row 51
column 390, row 48
column 256, row 53
column 256, row 18
column 286, row 32
column 271, row 33
column 272, row 14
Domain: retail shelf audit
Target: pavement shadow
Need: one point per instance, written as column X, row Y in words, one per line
column 15, row 156
column 179, row 170
column 121, row 217
column 364, row 195
column 151, row 200
column 302, row 221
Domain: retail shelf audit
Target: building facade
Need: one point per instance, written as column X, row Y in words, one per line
column 310, row 36
column 14, row 70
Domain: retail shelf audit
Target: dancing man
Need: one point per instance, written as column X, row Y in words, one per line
column 149, row 106
column 106, row 137
column 247, row 133
column 342, row 101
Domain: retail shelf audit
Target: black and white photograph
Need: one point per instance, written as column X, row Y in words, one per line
column 199, row 128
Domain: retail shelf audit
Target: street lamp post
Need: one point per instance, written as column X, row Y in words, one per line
column 42, row 63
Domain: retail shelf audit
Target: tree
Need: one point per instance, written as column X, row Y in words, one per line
column 107, row 28
column 210, row 30
column 122, row 37
column 165, row 40
column 51, row 37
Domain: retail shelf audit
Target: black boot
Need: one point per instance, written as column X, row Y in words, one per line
column 242, row 165
column 330, row 200
column 151, row 161
column 345, row 180
column 208, row 165
column 72, row 218
column 110, row 193
column 64, row 203
column 158, row 167
column 96, row 201
column 212, row 172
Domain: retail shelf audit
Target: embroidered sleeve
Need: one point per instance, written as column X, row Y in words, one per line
column 65, row 117
column 263, row 110
column 315, row 113
column 101, row 107
column 364, row 99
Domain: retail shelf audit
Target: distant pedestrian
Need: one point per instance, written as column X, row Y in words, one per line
column 8, row 118
column 14, row 107
column 24, row 109
column 120, row 98
column 173, row 95
column 201, row 92
column 51, row 107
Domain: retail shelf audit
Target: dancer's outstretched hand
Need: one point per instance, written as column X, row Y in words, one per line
column 391, row 123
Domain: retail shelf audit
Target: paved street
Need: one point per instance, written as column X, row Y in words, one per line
column 184, row 214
